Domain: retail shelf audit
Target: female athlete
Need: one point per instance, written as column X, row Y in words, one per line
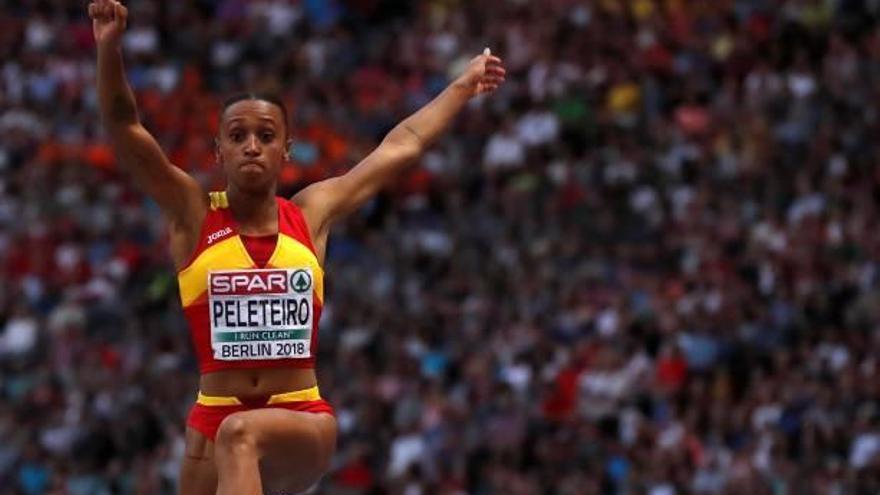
column 249, row 270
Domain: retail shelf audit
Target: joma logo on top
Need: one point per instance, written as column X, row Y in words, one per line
column 249, row 282
column 214, row 236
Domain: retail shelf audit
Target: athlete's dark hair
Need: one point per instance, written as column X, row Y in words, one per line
column 267, row 97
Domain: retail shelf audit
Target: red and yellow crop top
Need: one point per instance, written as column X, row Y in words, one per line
column 243, row 315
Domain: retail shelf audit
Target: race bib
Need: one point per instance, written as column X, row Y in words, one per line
column 261, row 314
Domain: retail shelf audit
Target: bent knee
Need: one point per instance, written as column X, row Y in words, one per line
column 235, row 431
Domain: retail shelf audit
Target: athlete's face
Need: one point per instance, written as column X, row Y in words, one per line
column 252, row 144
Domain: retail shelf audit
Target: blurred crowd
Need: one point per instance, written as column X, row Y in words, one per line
column 650, row 264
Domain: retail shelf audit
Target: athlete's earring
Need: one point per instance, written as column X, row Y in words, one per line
column 289, row 155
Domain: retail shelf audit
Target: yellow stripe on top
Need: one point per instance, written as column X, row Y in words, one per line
column 228, row 254
column 292, row 253
column 218, row 199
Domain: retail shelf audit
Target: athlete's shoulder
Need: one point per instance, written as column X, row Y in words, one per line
column 317, row 193
column 293, row 222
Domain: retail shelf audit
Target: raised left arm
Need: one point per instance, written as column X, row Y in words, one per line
column 330, row 200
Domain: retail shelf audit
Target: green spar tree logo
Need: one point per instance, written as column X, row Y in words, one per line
column 301, row 281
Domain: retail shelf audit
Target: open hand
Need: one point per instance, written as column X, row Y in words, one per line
column 108, row 21
column 483, row 75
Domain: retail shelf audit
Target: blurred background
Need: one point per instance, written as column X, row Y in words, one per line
column 647, row 265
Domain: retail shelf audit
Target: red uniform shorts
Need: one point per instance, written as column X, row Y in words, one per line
column 209, row 411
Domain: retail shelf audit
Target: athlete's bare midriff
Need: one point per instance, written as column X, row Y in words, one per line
column 256, row 382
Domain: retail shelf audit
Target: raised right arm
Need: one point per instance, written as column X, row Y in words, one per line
column 179, row 196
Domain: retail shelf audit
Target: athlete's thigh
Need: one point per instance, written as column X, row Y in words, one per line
column 296, row 446
column 198, row 473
